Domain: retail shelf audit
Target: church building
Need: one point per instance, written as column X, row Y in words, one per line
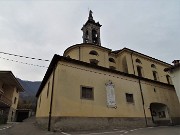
column 93, row 87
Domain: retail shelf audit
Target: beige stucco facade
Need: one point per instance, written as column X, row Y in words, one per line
column 67, row 101
column 125, row 60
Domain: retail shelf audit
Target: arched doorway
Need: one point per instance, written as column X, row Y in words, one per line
column 160, row 114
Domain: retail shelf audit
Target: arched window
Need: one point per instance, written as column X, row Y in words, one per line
column 93, row 53
column 87, row 37
column 138, row 61
column 155, row 75
column 124, row 64
column 139, row 71
column 153, row 66
column 87, row 33
column 168, row 79
column 112, row 60
column 94, row 36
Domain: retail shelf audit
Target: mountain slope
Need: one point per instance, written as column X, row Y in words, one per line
column 30, row 87
column 27, row 99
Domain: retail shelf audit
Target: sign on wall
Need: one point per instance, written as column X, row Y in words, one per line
column 110, row 95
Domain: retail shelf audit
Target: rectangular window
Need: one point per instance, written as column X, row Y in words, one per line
column 155, row 75
column 168, row 79
column 129, row 98
column 15, row 100
column 87, row 93
column 139, row 70
column 16, row 90
column 39, row 100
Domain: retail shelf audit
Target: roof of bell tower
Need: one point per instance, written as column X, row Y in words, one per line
column 91, row 20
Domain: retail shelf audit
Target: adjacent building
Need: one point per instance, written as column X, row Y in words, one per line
column 93, row 87
column 175, row 75
column 9, row 95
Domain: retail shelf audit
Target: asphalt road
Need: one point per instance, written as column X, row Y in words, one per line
column 171, row 130
column 30, row 128
column 165, row 130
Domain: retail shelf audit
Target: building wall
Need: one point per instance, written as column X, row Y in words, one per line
column 175, row 75
column 12, row 94
column 82, row 53
column 147, row 69
column 74, row 54
column 44, row 99
column 68, row 106
column 14, row 99
column 71, row 79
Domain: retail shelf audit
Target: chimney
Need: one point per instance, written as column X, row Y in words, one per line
column 176, row 62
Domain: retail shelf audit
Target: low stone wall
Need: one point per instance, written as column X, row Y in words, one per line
column 43, row 122
column 90, row 123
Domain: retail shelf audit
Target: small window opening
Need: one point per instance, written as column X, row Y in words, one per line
column 94, row 61
column 39, row 101
column 129, row 98
column 155, row 75
column 154, row 90
column 93, row 53
column 139, row 70
column 153, row 66
column 168, row 79
column 94, row 36
column 48, row 89
column 138, row 61
column 87, row 93
column 15, row 100
column 112, row 60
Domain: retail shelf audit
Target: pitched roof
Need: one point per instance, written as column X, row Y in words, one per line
column 58, row 58
column 10, row 79
column 149, row 57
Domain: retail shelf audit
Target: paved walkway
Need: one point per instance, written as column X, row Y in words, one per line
column 27, row 127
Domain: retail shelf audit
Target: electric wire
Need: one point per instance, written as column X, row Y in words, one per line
column 23, row 62
column 21, row 56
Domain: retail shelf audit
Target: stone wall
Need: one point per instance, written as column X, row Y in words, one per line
column 89, row 123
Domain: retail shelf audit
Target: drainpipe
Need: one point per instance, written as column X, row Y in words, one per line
column 132, row 62
column 142, row 97
column 79, row 53
column 50, row 111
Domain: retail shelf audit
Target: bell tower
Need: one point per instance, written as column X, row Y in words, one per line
column 91, row 31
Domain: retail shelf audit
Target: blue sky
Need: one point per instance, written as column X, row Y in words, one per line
column 42, row 28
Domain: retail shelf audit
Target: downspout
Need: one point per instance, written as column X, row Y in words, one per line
column 50, row 111
column 79, row 53
column 142, row 97
column 132, row 62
